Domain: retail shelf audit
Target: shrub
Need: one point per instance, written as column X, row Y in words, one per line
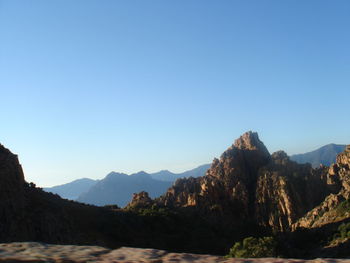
column 344, row 207
column 252, row 247
column 344, row 230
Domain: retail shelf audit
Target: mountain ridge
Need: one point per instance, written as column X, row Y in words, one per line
column 162, row 179
column 325, row 155
column 247, row 192
column 73, row 189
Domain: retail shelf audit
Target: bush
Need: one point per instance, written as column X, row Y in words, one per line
column 344, row 230
column 252, row 247
column 344, row 207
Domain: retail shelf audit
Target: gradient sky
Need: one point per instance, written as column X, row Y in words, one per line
column 88, row 87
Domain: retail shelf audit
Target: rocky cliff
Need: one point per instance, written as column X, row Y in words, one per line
column 338, row 177
column 249, row 184
column 28, row 213
column 11, row 195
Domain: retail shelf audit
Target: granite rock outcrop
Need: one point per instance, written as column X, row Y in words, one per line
column 338, row 177
column 250, row 185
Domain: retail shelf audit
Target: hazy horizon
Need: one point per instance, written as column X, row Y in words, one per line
column 90, row 87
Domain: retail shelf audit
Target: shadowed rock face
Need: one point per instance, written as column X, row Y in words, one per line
column 11, row 194
column 249, row 184
column 28, row 213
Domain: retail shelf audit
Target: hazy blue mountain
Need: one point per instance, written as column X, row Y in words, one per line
column 168, row 176
column 325, row 155
column 117, row 188
column 73, row 189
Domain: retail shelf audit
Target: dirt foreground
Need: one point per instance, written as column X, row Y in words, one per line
column 39, row 252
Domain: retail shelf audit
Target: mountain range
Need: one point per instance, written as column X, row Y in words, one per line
column 325, row 155
column 73, row 189
column 246, row 194
column 117, row 188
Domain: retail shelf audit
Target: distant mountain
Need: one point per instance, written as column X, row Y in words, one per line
column 325, row 155
column 73, row 189
column 168, row 176
column 118, row 188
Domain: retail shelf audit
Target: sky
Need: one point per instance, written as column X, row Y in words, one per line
column 89, row 87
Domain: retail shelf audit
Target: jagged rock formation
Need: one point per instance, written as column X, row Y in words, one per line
column 140, row 200
column 248, row 184
column 286, row 191
column 338, row 177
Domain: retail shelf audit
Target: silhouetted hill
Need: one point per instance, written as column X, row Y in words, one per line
column 73, row 189
column 117, row 188
column 325, row 155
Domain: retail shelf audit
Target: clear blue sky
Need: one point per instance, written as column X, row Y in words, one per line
column 88, row 87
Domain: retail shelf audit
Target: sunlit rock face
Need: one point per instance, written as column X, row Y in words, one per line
column 249, row 184
column 338, row 180
column 286, row 191
column 140, row 200
column 228, row 182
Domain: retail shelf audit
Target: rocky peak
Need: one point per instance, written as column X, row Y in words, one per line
column 242, row 160
column 248, row 183
column 11, row 173
column 280, row 157
column 249, row 141
column 343, row 158
column 229, row 183
column 140, row 200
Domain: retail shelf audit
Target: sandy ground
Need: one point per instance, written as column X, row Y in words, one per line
column 39, row 252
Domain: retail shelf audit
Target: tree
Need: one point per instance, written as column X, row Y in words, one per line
column 252, row 247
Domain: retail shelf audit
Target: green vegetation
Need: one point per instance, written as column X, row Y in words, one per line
column 155, row 211
column 343, row 207
column 343, row 231
column 252, row 247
